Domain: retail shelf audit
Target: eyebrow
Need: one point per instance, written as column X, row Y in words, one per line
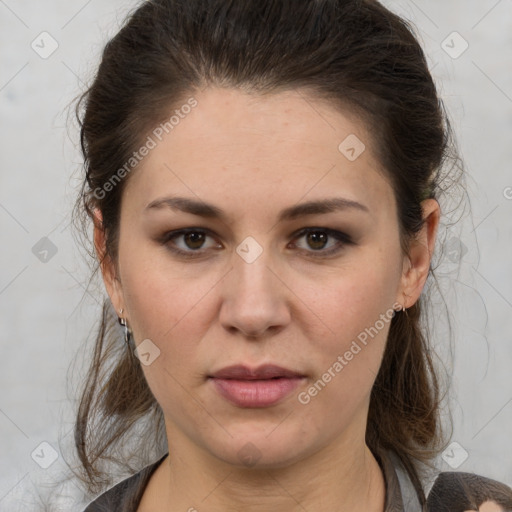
column 208, row 210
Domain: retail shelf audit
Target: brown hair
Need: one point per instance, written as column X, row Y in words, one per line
column 354, row 53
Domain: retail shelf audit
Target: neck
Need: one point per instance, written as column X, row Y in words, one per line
column 346, row 478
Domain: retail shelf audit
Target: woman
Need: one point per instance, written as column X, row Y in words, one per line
column 263, row 178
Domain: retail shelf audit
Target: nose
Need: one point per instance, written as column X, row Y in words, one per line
column 255, row 300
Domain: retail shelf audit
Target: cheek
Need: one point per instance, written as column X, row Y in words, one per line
column 354, row 300
column 357, row 308
column 170, row 311
column 162, row 298
column 173, row 312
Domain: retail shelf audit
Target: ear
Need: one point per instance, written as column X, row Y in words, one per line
column 107, row 267
column 417, row 263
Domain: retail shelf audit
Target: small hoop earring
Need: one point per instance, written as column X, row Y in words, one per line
column 402, row 309
column 126, row 330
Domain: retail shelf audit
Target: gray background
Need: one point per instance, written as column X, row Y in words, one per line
column 47, row 313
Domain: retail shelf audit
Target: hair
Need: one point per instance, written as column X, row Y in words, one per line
column 355, row 54
column 459, row 491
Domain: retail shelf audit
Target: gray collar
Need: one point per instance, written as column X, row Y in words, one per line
column 401, row 495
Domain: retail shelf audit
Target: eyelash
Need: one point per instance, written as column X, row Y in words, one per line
column 342, row 238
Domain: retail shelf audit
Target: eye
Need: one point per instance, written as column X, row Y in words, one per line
column 192, row 242
column 188, row 242
column 318, row 240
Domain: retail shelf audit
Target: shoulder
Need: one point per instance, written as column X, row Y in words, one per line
column 456, row 491
column 450, row 492
column 127, row 494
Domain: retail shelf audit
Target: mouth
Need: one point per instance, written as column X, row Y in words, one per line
column 263, row 372
column 255, row 388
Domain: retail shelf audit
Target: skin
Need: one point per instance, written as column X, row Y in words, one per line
column 489, row 506
column 253, row 156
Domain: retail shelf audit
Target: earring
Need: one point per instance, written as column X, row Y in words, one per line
column 127, row 330
column 402, row 309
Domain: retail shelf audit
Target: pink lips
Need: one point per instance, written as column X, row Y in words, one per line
column 259, row 387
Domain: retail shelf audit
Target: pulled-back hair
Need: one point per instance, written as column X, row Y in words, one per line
column 355, row 54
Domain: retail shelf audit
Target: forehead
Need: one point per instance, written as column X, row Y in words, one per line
column 241, row 148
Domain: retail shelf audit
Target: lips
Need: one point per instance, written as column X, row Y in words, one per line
column 259, row 387
column 263, row 372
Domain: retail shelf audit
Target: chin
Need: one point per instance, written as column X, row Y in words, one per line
column 262, row 451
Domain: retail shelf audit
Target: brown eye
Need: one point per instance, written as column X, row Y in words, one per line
column 323, row 241
column 194, row 240
column 317, row 239
column 189, row 242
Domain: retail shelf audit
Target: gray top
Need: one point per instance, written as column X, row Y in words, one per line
column 451, row 492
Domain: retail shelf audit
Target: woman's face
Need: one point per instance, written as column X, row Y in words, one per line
column 249, row 287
